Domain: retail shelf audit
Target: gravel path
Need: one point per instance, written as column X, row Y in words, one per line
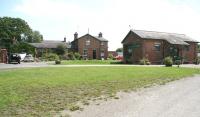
column 176, row 99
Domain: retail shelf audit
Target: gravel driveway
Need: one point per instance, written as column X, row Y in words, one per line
column 176, row 99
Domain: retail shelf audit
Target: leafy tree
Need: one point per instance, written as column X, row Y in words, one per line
column 60, row 50
column 119, row 50
column 36, row 37
column 22, row 47
column 14, row 30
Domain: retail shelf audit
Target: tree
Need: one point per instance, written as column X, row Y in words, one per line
column 60, row 50
column 119, row 50
column 22, row 47
column 14, row 30
column 36, row 37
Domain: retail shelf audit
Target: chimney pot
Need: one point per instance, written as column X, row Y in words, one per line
column 75, row 35
column 65, row 39
column 100, row 35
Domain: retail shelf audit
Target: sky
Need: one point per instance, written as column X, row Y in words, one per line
column 56, row 19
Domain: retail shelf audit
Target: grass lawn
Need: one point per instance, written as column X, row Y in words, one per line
column 89, row 62
column 45, row 91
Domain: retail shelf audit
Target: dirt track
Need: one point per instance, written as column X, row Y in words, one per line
column 176, row 99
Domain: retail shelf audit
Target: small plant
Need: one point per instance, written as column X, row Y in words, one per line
column 178, row 62
column 144, row 61
column 74, row 108
column 168, row 61
column 57, row 61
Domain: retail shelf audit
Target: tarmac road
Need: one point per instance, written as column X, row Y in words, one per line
column 176, row 99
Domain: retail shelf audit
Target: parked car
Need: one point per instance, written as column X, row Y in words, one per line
column 28, row 58
column 14, row 58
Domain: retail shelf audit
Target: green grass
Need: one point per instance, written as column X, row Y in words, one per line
column 46, row 91
column 89, row 62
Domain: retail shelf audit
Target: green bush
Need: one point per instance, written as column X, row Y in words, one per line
column 168, row 61
column 70, row 56
column 57, row 62
column 111, row 57
column 51, row 57
column 177, row 62
column 197, row 61
column 77, row 56
column 144, row 61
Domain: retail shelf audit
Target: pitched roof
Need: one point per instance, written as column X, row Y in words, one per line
column 50, row 44
column 96, row 37
column 100, row 38
column 172, row 38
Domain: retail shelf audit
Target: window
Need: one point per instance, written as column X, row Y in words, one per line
column 102, row 53
column 157, row 46
column 85, row 52
column 87, row 42
column 186, row 48
column 102, row 43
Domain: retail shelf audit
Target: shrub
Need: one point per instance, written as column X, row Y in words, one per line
column 168, row 61
column 57, row 62
column 77, row 56
column 51, row 57
column 60, row 50
column 144, row 61
column 110, row 56
column 197, row 61
column 71, row 56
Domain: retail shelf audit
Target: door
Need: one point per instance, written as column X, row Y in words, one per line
column 94, row 54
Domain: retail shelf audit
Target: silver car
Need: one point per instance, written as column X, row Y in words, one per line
column 28, row 58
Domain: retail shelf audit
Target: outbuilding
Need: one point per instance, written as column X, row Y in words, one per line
column 155, row 46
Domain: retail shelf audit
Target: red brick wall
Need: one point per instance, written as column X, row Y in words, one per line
column 137, row 53
column 94, row 44
column 151, row 53
column 3, row 56
column 191, row 54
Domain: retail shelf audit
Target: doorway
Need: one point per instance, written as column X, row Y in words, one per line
column 94, row 54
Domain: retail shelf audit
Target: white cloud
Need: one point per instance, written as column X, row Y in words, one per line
column 113, row 17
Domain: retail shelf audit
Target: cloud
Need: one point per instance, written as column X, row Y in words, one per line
column 112, row 17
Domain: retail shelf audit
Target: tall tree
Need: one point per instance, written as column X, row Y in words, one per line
column 16, row 30
column 36, row 37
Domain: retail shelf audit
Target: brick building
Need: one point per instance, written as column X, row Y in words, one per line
column 90, row 47
column 48, row 46
column 155, row 46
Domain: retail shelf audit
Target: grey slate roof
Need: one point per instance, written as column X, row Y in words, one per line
column 50, row 44
column 100, row 38
column 96, row 37
column 172, row 38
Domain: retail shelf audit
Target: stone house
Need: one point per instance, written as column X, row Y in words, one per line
column 90, row 47
column 155, row 46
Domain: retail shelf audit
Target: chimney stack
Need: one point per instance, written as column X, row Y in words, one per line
column 64, row 39
column 75, row 36
column 100, row 35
